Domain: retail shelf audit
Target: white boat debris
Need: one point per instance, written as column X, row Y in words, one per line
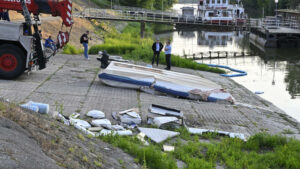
column 159, row 121
column 158, row 135
column 95, row 129
column 128, row 117
column 165, row 111
column 30, row 107
column 36, row 107
column 74, row 115
column 168, row 148
column 105, row 132
column 81, row 123
column 61, row 118
column 101, row 123
column 141, row 137
column 84, row 130
column 43, row 108
column 168, row 82
column 161, row 116
column 96, row 114
column 203, row 131
column 117, row 127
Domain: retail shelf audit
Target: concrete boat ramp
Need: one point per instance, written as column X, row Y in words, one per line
column 71, row 83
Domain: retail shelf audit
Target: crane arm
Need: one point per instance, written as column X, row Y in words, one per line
column 62, row 8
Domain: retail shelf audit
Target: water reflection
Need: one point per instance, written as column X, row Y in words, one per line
column 194, row 42
column 293, row 80
column 213, row 39
column 276, row 72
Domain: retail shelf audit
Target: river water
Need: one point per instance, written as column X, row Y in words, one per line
column 275, row 72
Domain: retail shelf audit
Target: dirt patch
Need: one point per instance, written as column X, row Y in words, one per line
column 52, row 25
column 31, row 140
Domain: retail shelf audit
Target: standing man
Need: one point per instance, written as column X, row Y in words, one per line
column 156, row 47
column 84, row 40
column 168, row 50
column 5, row 15
column 1, row 14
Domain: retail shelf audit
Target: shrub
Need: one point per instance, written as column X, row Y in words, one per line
column 71, row 50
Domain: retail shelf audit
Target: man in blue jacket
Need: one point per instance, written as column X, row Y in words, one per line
column 156, row 47
column 49, row 43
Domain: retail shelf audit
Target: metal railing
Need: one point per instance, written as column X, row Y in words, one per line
column 159, row 17
column 271, row 23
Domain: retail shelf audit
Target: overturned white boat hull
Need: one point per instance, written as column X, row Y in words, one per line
column 169, row 82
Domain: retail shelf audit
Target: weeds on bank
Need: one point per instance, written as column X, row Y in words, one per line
column 2, row 106
column 71, row 50
column 149, row 156
column 260, row 151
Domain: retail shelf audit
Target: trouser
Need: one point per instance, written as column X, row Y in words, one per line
column 86, row 47
column 168, row 60
column 5, row 16
column 155, row 54
column 1, row 16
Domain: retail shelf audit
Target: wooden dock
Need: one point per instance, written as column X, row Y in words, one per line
column 216, row 55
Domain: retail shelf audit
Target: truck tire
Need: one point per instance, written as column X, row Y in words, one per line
column 12, row 61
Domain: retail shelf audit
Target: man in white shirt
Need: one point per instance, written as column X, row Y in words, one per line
column 168, row 51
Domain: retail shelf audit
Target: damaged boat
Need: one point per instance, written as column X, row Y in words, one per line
column 182, row 85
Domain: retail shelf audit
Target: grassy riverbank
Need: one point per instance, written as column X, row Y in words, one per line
column 207, row 151
column 132, row 47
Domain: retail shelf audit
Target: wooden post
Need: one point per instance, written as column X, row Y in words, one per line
column 142, row 29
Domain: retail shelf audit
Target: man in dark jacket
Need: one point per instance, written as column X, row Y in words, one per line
column 1, row 14
column 156, row 47
column 5, row 15
column 84, row 40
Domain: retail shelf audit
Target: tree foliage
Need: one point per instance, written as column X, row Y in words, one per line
column 149, row 4
column 255, row 8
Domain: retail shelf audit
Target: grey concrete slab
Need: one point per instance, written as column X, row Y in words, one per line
column 18, row 86
column 63, row 89
column 56, row 99
column 14, row 95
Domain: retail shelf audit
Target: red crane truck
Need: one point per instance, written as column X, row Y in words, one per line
column 21, row 46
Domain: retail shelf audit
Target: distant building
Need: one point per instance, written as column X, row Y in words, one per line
column 291, row 15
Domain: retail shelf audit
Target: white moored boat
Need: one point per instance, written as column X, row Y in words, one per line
column 221, row 12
